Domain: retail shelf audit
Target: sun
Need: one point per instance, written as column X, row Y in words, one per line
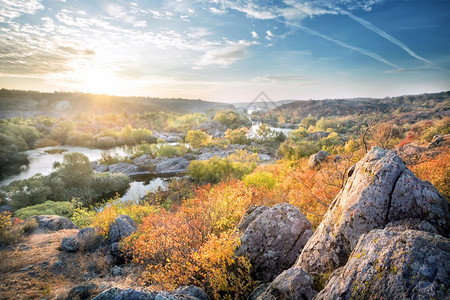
column 100, row 81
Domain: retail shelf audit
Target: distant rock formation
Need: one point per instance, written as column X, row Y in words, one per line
column 212, row 128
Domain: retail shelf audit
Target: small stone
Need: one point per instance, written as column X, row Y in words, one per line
column 27, row 268
column 89, row 275
column 117, row 271
column 59, row 264
column 44, row 264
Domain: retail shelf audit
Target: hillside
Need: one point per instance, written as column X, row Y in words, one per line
column 432, row 103
column 15, row 103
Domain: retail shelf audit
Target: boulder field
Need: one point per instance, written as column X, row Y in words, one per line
column 385, row 236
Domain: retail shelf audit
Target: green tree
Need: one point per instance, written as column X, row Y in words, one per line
column 231, row 119
column 76, row 170
column 22, row 193
column 197, row 138
column 237, row 136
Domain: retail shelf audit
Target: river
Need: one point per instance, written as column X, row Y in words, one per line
column 42, row 160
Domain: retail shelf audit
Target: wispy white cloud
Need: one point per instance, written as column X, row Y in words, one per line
column 11, row 9
column 282, row 78
column 118, row 12
column 254, row 35
column 224, row 56
column 217, row 11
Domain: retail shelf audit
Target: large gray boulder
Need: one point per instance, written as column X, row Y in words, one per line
column 274, row 239
column 89, row 239
column 388, row 264
column 52, row 223
column 123, row 226
column 380, row 190
column 252, row 213
column 292, row 284
column 316, row 159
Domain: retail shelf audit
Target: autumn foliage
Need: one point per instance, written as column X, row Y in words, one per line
column 437, row 171
column 195, row 243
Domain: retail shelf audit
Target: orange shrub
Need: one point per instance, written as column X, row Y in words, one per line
column 195, row 243
column 437, row 171
column 102, row 219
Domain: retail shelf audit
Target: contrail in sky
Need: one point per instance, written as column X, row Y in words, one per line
column 387, row 36
column 345, row 45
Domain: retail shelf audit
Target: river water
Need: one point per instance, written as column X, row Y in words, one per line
column 42, row 160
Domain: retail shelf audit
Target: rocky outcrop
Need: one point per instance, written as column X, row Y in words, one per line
column 169, row 137
column 384, row 236
column 389, row 264
column 183, row 293
column 208, row 153
column 315, row 136
column 52, row 223
column 170, row 165
column 291, row 284
column 124, row 168
column 274, row 239
column 145, row 164
column 316, row 159
column 380, row 190
column 212, row 128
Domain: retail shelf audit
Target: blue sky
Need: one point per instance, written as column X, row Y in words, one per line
column 223, row 50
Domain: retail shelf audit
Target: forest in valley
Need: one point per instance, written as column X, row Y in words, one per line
column 187, row 233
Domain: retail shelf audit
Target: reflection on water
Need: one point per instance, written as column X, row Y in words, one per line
column 255, row 126
column 144, row 184
column 42, row 159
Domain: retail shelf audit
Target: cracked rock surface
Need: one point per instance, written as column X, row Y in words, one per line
column 274, row 239
column 389, row 264
column 380, row 191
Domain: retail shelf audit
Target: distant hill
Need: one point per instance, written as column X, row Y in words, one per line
column 436, row 102
column 16, row 103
